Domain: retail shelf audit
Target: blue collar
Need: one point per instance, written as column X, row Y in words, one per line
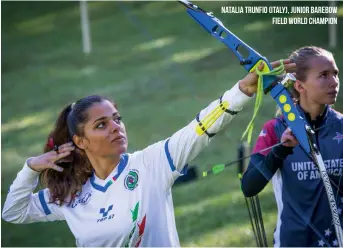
column 318, row 121
column 121, row 166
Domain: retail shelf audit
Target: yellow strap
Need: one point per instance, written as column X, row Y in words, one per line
column 209, row 119
column 259, row 93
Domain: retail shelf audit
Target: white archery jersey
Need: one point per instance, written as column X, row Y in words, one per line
column 133, row 206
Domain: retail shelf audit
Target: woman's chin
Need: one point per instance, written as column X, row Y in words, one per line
column 331, row 101
column 122, row 149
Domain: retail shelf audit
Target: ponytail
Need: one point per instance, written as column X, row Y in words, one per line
column 65, row 185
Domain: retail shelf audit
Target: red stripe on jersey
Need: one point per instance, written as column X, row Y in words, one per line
column 266, row 138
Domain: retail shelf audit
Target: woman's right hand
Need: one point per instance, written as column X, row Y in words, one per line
column 288, row 139
column 248, row 85
column 47, row 160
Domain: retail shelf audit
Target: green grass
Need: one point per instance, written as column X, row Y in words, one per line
column 161, row 68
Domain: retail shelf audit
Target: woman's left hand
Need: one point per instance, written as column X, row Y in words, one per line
column 248, row 85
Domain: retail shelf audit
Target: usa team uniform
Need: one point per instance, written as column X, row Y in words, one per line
column 133, row 206
column 304, row 216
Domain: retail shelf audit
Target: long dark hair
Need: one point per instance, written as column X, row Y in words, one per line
column 65, row 185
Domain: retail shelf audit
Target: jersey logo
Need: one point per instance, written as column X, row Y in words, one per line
column 83, row 201
column 131, row 180
column 105, row 213
column 338, row 137
column 263, row 133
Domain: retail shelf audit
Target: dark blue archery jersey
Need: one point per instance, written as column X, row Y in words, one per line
column 304, row 216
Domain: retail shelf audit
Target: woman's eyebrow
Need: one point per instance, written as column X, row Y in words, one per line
column 104, row 117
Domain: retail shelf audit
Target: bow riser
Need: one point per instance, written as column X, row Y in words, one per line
column 291, row 115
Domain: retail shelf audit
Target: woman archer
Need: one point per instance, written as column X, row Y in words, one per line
column 304, row 217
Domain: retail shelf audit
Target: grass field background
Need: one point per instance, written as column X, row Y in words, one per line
column 161, row 68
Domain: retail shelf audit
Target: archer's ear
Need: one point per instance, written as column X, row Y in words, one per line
column 298, row 85
column 79, row 142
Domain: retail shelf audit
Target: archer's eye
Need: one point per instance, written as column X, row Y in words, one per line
column 101, row 125
column 324, row 75
column 117, row 119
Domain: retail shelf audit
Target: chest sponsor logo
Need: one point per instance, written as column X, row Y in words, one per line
column 105, row 213
column 131, row 180
column 83, row 201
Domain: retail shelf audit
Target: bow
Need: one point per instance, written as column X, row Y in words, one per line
column 271, row 84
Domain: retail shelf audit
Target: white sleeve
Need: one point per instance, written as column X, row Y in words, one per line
column 184, row 145
column 22, row 206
